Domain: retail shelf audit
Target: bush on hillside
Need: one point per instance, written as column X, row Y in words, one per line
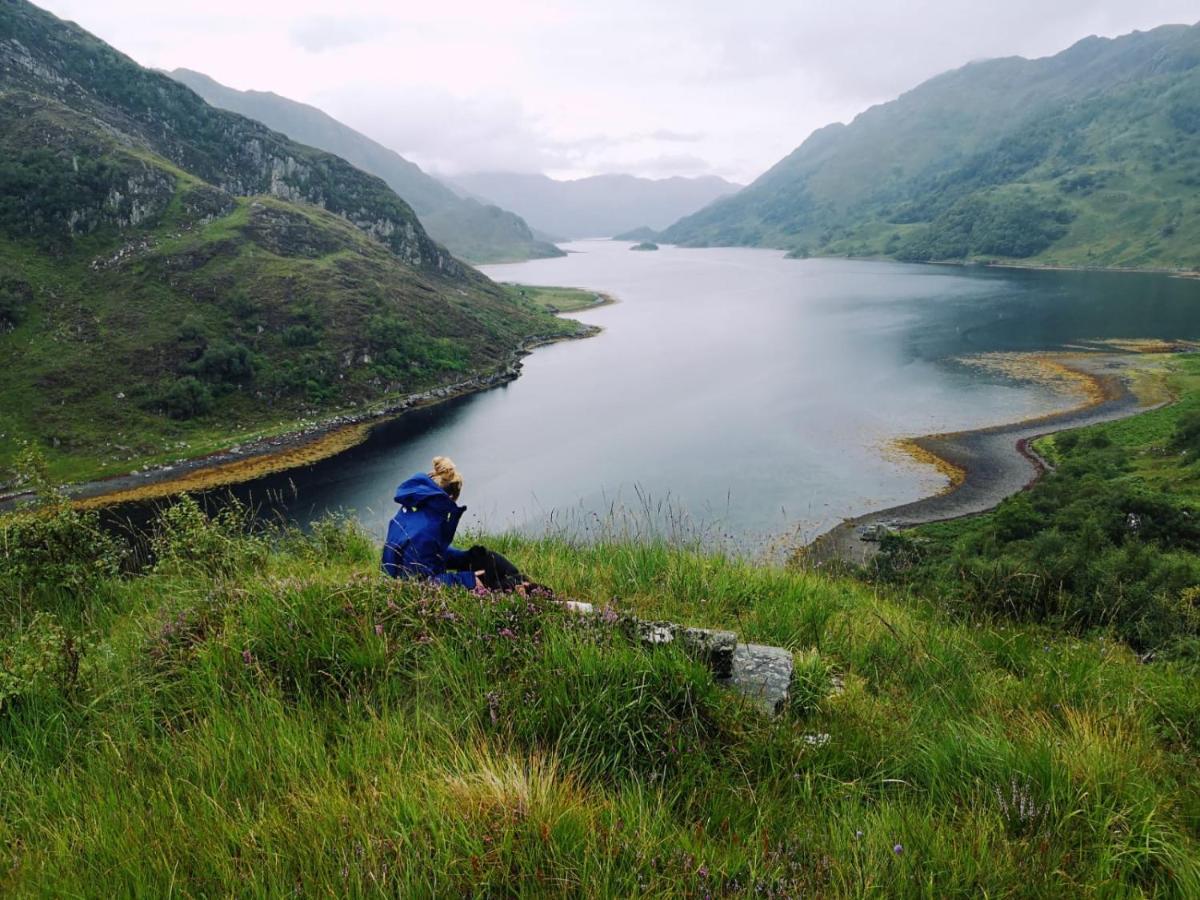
column 187, row 398
column 1083, row 549
column 49, row 544
column 1186, row 438
column 185, row 537
column 37, row 659
column 224, row 364
column 15, row 299
column 1015, row 227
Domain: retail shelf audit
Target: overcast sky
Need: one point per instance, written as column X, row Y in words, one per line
column 651, row 87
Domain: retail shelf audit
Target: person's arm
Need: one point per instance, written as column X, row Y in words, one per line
column 457, row 559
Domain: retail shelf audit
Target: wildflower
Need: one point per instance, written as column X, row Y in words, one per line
column 247, row 657
column 379, row 630
column 858, row 835
column 898, row 849
column 507, row 633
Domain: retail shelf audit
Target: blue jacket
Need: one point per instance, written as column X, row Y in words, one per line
column 419, row 535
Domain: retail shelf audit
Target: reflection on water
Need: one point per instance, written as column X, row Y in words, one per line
column 747, row 392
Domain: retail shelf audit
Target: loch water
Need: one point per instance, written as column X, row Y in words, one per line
column 738, row 394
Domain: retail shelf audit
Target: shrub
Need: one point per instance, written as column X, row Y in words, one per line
column 1186, row 438
column 187, row 398
column 225, row 364
column 15, row 299
column 185, row 536
column 36, row 659
column 300, row 336
column 49, row 544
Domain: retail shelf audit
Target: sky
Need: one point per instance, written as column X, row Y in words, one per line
column 580, row 87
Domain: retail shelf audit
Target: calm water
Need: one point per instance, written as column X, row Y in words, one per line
column 755, row 394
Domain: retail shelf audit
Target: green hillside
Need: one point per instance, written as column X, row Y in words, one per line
column 477, row 232
column 172, row 275
column 270, row 716
column 1090, row 157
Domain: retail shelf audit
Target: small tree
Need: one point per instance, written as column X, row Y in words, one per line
column 187, row 398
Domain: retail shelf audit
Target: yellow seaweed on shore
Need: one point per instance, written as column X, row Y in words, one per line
column 208, row 477
column 910, row 448
column 1054, row 371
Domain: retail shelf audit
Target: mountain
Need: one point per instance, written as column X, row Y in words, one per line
column 171, row 273
column 600, row 206
column 1089, row 157
column 474, row 231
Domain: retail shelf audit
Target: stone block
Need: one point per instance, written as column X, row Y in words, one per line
column 715, row 648
column 762, row 674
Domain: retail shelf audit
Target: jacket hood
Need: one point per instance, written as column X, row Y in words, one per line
column 421, row 490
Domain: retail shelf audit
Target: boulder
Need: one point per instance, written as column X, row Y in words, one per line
column 762, row 674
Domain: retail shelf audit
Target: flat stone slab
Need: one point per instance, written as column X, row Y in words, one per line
column 712, row 647
column 762, row 674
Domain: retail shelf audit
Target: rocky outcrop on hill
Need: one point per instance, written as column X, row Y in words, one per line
column 52, row 71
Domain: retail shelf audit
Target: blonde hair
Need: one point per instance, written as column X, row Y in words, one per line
column 446, row 476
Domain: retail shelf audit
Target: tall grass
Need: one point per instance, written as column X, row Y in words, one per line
column 273, row 717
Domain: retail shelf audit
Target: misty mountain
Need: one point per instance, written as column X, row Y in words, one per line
column 477, row 232
column 170, row 269
column 600, row 206
column 1088, row 157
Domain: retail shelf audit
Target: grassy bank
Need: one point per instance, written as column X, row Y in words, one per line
column 1107, row 539
column 268, row 715
column 558, row 299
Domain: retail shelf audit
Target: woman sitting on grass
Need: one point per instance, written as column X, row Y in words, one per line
column 419, row 536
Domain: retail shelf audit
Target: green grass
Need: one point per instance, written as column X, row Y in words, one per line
column 272, row 717
column 1104, row 540
column 1146, row 439
column 556, row 299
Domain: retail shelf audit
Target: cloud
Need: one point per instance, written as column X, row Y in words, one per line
column 668, row 164
column 577, row 87
column 679, row 137
column 320, row 33
column 443, row 132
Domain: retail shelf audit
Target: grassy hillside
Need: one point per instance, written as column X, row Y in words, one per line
column 473, row 231
column 1108, row 539
column 1088, row 157
column 269, row 715
column 182, row 341
column 174, row 276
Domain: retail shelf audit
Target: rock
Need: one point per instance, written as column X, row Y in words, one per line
column 578, row 606
column 716, row 648
column 763, row 675
column 655, row 632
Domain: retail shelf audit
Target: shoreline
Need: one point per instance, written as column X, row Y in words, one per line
column 272, row 454
column 985, row 466
column 980, row 264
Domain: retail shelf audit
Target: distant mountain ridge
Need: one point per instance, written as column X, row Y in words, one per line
column 599, row 206
column 474, row 231
column 1090, row 157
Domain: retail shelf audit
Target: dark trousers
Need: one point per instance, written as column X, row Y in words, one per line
column 498, row 573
